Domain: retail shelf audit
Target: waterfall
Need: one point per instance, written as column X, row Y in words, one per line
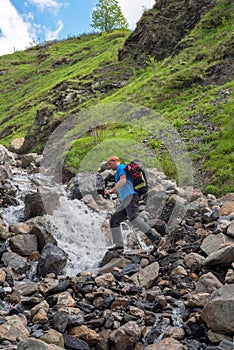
column 77, row 229
column 79, row 232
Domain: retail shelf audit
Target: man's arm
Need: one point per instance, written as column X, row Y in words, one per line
column 120, row 183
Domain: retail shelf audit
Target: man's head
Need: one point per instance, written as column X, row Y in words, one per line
column 113, row 162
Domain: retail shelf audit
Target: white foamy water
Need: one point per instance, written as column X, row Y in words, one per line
column 22, row 183
column 79, row 232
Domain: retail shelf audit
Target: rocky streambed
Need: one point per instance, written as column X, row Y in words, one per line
column 180, row 297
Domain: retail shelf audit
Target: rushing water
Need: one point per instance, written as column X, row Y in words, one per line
column 77, row 229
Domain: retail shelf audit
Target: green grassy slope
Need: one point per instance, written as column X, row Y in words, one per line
column 193, row 90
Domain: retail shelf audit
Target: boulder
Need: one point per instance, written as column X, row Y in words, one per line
column 126, row 336
column 147, row 276
column 24, row 244
column 52, row 260
column 6, row 157
column 15, row 261
column 219, row 311
column 13, row 328
column 213, row 242
column 16, row 145
column 224, row 256
column 40, row 228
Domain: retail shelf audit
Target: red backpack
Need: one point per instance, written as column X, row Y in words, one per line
column 139, row 178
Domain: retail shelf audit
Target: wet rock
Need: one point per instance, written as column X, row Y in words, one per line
column 40, row 228
column 6, row 157
column 147, row 276
column 36, row 344
column 13, row 329
column 219, row 312
column 130, row 269
column 75, row 343
column 224, row 256
column 15, row 261
column 33, row 205
column 24, row 244
column 28, row 159
column 126, row 336
column 208, row 283
column 53, row 259
column 213, row 242
column 111, row 264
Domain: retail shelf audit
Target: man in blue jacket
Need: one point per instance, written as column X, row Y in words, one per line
column 128, row 207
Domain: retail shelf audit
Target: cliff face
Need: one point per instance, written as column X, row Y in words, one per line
column 160, row 29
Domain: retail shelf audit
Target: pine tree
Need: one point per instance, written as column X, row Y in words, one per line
column 108, row 15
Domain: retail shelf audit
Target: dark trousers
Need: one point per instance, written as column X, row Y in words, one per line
column 129, row 209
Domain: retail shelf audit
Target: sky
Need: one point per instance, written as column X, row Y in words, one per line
column 24, row 23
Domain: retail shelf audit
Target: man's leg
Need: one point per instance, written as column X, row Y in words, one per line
column 132, row 210
column 115, row 221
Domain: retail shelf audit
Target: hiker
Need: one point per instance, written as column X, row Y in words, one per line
column 128, row 207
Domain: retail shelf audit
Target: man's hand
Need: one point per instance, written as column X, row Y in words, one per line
column 107, row 192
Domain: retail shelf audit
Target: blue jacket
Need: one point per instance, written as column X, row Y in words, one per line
column 127, row 189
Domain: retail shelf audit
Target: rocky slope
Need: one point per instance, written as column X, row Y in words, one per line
column 179, row 297
column 160, row 29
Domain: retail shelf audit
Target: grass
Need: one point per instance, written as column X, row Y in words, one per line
column 194, row 106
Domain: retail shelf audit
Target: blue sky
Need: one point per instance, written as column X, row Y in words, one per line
column 26, row 22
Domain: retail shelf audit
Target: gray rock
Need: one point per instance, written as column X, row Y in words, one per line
column 15, row 261
column 224, row 256
column 208, row 283
column 126, row 336
column 193, row 261
column 213, row 242
column 52, row 260
column 24, row 244
column 147, row 276
column 167, row 344
column 36, row 344
column 219, row 312
column 6, row 157
column 230, row 230
column 13, row 328
column 41, row 228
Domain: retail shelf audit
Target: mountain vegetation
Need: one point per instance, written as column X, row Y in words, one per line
column 108, row 15
column 178, row 62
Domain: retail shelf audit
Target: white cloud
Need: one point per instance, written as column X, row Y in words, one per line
column 16, row 34
column 133, row 9
column 54, row 5
column 53, row 34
